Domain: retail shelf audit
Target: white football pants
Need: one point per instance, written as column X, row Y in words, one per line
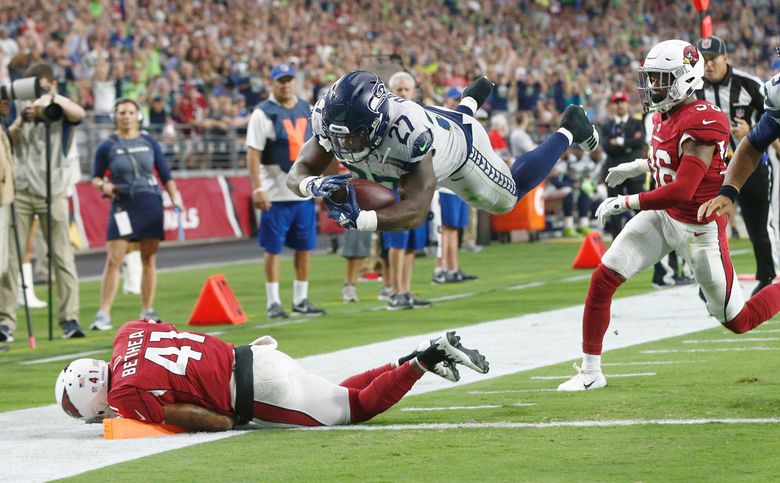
column 651, row 234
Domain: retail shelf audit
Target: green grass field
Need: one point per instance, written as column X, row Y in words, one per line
column 727, row 384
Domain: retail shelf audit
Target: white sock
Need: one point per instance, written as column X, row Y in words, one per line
column 272, row 294
column 300, row 291
column 439, row 270
column 584, row 222
column 568, row 222
column 590, row 363
column 471, row 103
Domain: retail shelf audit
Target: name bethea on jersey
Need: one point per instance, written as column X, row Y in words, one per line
column 134, row 343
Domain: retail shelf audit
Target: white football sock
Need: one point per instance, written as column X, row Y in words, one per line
column 591, row 363
column 272, row 294
column 300, row 291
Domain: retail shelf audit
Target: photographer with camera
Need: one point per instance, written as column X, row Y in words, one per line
column 6, row 197
column 29, row 122
column 738, row 94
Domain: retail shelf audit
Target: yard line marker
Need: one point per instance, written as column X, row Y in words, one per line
column 576, row 278
column 484, row 406
column 608, row 423
column 454, row 296
column 64, row 357
column 745, row 339
column 285, row 322
column 772, row 322
column 511, row 391
column 649, row 363
column 721, row 349
column 523, row 286
column 550, row 378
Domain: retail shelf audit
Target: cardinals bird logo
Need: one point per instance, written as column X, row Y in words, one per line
column 690, row 55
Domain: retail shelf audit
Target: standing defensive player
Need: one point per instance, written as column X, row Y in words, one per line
column 198, row 382
column 388, row 139
column 688, row 146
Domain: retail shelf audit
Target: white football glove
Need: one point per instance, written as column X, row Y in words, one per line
column 614, row 205
column 624, row 171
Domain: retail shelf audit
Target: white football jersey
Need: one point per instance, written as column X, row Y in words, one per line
column 411, row 133
column 771, row 91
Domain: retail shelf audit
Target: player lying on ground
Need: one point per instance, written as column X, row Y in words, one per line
column 158, row 374
column 390, row 140
column 688, row 147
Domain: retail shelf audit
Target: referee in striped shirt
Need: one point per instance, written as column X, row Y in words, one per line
column 738, row 94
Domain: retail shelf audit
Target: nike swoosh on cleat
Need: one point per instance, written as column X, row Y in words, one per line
column 587, row 386
column 699, row 233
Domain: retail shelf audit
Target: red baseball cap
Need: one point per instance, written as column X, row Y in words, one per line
column 619, row 96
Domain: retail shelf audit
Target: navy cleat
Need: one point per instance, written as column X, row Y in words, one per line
column 577, row 123
column 479, row 90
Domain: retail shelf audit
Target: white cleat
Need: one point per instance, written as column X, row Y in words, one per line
column 584, row 381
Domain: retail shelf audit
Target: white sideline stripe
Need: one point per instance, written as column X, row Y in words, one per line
column 772, row 322
column 608, row 423
column 721, row 349
column 744, row 339
column 650, row 363
column 484, row 406
column 551, row 378
column 33, row 439
column 511, row 391
column 64, row 357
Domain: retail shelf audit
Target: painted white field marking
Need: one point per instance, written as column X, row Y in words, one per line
column 453, row 297
column 739, row 339
column 721, row 349
column 608, row 423
column 758, row 331
column 511, row 391
column 771, row 322
column 33, row 439
column 64, row 357
column 283, row 323
column 650, row 363
column 483, row 406
column 552, row 378
column 576, row 278
column 524, row 286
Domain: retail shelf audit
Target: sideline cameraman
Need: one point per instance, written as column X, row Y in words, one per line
column 6, row 198
column 28, row 136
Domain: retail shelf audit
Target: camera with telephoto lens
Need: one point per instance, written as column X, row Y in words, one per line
column 26, row 89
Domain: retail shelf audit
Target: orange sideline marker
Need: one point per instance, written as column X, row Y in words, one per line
column 120, row 428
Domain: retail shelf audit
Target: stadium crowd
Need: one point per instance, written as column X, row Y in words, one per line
column 206, row 63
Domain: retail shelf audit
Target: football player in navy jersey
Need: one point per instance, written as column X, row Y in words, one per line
column 385, row 138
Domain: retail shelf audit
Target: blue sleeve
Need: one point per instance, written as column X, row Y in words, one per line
column 764, row 133
column 102, row 159
column 163, row 170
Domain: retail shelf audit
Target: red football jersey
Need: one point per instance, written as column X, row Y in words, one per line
column 156, row 364
column 701, row 121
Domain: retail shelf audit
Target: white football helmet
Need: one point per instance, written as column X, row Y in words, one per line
column 771, row 92
column 672, row 71
column 82, row 390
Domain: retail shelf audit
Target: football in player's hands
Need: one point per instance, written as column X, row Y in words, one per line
column 370, row 195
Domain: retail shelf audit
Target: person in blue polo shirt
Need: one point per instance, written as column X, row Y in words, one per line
column 276, row 132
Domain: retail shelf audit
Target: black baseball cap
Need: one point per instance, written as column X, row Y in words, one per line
column 711, row 45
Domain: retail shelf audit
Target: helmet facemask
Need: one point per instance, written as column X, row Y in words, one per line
column 354, row 147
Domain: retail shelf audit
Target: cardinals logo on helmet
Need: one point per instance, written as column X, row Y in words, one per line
column 690, row 55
